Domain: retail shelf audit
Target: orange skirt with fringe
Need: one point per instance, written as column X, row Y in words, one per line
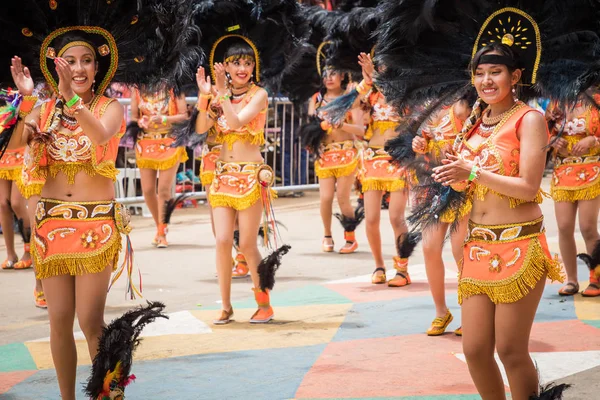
column 76, row 238
column 210, row 155
column 379, row 173
column 337, row 160
column 155, row 152
column 236, row 185
column 576, row 178
column 504, row 262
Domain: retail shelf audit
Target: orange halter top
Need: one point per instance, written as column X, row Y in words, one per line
column 71, row 152
column 499, row 153
column 253, row 132
column 439, row 137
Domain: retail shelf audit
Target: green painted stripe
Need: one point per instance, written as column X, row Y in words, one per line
column 304, row 296
column 16, row 357
column 593, row 322
column 442, row 397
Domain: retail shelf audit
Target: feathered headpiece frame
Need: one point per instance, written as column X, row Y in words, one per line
column 426, row 47
column 350, row 34
column 136, row 42
column 276, row 31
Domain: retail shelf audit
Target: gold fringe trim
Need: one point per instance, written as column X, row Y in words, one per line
column 31, row 189
column 449, row 217
column 391, row 185
column 231, row 138
column 69, row 265
column 13, row 174
column 335, row 172
column 571, row 196
column 105, row 168
column 236, row 202
column 518, row 285
column 481, row 191
column 206, row 178
column 180, row 156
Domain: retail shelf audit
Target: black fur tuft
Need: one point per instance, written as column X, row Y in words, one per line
column 117, row 344
column 312, row 135
column 406, row 243
column 351, row 223
column 269, row 265
column 171, row 205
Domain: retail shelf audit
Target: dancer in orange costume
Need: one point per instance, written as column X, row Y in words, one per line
column 575, row 186
column 155, row 113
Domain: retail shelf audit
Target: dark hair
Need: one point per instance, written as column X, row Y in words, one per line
column 503, row 49
column 75, row 37
column 239, row 50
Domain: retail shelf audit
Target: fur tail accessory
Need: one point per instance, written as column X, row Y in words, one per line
column 592, row 261
column 185, row 133
column 312, row 134
column 269, row 265
column 406, row 243
column 351, row 223
column 400, row 148
column 551, row 392
column 171, row 205
column 133, row 131
column 111, row 369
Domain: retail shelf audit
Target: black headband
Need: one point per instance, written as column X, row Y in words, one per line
column 497, row 59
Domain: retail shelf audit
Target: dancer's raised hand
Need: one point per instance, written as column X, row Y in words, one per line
column 21, row 77
column 203, row 82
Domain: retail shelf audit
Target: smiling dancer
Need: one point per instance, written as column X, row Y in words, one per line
column 231, row 101
column 499, row 160
column 74, row 139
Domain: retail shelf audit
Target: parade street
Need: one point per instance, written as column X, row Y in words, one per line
column 335, row 335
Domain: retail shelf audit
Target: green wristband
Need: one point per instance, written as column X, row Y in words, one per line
column 473, row 174
column 74, row 100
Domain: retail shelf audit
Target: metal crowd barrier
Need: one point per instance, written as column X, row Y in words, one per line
column 283, row 152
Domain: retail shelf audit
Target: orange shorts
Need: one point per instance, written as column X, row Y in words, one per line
column 155, row 152
column 337, row 160
column 576, row 178
column 379, row 173
column 77, row 238
column 210, row 155
column 505, row 262
column 236, row 185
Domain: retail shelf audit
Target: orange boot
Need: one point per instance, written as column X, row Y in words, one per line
column 24, row 264
column 593, row 289
column 351, row 244
column 402, row 278
column 262, row 316
column 161, row 236
column 240, row 269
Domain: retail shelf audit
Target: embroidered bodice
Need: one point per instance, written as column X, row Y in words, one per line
column 447, row 128
column 499, row 153
column 253, row 132
column 160, row 103
column 71, row 152
column 580, row 127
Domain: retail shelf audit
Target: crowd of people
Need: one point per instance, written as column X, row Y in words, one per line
column 450, row 110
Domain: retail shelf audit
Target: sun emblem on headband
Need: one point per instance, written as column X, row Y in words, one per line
column 510, row 34
column 518, row 30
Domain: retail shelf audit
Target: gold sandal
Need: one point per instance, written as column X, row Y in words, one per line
column 378, row 279
column 439, row 324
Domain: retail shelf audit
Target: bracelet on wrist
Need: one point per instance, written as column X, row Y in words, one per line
column 73, row 101
column 164, row 120
column 475, row 173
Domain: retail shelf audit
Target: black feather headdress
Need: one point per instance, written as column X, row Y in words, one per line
column 137, row 42
column 426, row 47
column 275, row 29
